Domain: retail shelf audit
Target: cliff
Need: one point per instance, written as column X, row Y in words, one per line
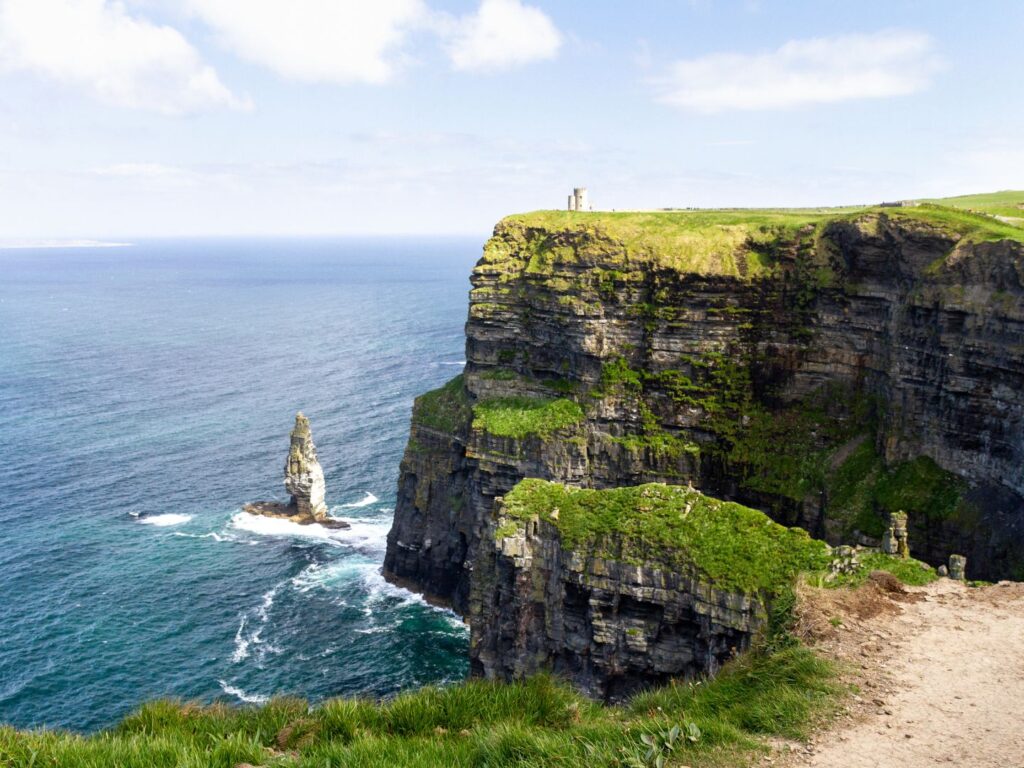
column 827, row 368
column 627, row 588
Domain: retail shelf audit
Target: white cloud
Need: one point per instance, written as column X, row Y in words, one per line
column 121, row 60
column 502, row 34
column 814, row 71
column 339, row 41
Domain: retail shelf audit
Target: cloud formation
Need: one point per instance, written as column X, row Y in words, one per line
column 336, row 41
column 820, row 70
column 502, row 34
column 122, row 60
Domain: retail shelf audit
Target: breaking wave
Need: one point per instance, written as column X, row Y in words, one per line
column 164, row 521
column 366, row 501
column 238, row 693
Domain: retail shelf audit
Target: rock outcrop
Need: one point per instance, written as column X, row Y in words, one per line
column 565, row 580
column 828, row 370
column 304, row 481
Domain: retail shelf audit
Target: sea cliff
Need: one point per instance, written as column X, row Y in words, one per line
column 826, row 367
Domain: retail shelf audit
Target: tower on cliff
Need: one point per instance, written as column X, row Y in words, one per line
column 578, row 200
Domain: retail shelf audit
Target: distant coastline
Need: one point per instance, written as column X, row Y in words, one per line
column 10, row 245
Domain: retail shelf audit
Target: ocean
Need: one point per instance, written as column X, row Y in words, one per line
column 146, row 394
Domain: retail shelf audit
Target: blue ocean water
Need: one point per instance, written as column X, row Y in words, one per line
column 146, row 393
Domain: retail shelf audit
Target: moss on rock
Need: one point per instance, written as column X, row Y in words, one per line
column 445, row 409
column 732, row 546
column 520, row 417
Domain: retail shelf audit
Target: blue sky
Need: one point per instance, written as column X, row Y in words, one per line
column 230, row 117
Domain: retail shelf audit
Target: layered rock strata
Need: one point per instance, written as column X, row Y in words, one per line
column 570, row 584
column 304, row 481
column 829, row 370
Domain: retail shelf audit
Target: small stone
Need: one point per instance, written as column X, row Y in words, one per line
column 957, row 567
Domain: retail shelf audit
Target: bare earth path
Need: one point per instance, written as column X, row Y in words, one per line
column 940, row 673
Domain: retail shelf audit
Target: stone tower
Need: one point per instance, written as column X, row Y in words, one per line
column 303, row 475
column 578, row 200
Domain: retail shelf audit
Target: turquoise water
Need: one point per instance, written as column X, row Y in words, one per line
column 146, row 393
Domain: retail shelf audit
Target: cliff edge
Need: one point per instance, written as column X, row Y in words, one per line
column 826, row 367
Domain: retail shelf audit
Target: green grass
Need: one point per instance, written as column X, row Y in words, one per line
column 1006, row 203
column 862, row 491
column 741, row 243
column 533, row 723
column 728, row 242
column 962, row 224
column 730, row 546
column 446, row 409
column 521, row 417
column 908, row 570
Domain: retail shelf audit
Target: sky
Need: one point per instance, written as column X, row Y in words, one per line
column 154, row 118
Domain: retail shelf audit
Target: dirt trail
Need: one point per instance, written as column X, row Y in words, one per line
column 940, row 672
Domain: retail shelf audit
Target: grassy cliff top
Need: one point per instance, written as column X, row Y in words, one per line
column 733, row 546
column 739, row 242
column 1009, row 203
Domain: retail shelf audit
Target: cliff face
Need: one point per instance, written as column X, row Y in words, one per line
column 623, row 589
column 827, row 370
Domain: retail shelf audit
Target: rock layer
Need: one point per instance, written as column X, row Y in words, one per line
column 836, row 372
column 623, row 589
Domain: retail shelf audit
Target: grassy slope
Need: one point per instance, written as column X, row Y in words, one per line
column 733, row 547
column 1006, row 203
column 538, row 722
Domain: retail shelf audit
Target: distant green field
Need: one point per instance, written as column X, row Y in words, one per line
column 1008, row 203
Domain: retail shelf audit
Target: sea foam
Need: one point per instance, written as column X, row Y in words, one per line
column 366, row 501
column 165, row 520
column 248, row 698
column 273, row 526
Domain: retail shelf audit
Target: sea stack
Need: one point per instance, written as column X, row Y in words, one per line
column 303, row 475
column 304, row 481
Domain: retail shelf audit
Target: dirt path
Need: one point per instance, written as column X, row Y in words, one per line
column 940, row 672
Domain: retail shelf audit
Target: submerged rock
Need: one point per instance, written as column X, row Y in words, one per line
column 304, row 480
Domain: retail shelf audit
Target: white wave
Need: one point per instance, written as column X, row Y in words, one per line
column 379, row 589
column 273, row 526
column 366, row 501
column 211, row 535
column 248, row 698
column 241, row 643
column 268, row 601
column 453, row 362
column 321, row 575
column 165, row 520
column 367, row 533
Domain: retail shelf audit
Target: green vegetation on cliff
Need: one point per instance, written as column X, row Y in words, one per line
column 862, row 491
column 736, row 243
column 530, row 724
column 520, row 417
column 445, row 409
column 966, row 225
column 731, row 546
column 742, row 243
